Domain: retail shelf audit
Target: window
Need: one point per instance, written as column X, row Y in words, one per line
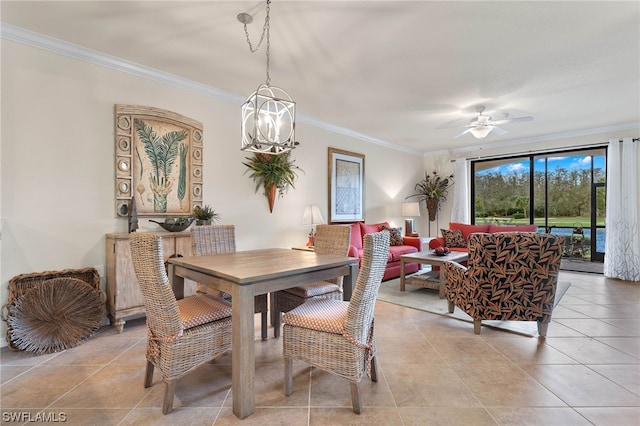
column 561, row 192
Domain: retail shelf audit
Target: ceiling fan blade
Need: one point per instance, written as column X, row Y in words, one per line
column 512, row 120
column 463, row 133
column 451, row 126
column 499, row 131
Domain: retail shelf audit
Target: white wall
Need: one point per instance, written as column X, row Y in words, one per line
column 57, row 176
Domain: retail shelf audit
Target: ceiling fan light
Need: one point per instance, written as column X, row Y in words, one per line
column 481, row 132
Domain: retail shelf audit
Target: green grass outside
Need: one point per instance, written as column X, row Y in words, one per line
column 562, row 222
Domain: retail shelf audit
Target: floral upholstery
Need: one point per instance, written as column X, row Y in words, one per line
column 510, row 276
column 453, row 238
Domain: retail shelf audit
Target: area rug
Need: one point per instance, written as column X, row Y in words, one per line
column 427, row 300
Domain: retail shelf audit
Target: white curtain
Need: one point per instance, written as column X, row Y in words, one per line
column 622, row 249
column 460, row 211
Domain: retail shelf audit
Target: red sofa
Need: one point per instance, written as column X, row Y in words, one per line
column 467, row 230
column 410, row 245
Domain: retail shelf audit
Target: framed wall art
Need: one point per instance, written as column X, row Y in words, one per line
column 158, row 162
column 346, row 186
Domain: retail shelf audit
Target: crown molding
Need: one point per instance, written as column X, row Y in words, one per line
column 80, row 53
column 61, row 47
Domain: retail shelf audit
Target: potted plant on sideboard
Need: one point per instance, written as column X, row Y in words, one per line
column 205, row 215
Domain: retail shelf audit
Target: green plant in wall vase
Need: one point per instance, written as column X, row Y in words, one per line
column 274, row 173
column 162, row 152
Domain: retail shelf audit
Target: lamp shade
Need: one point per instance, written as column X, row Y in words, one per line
column 410, row 209
column 312, row 216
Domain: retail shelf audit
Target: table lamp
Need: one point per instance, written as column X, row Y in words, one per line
column 312, row 217
column 409, row 211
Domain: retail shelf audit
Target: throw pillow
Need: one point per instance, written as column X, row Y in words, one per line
column 453, row 238
column 396, row 235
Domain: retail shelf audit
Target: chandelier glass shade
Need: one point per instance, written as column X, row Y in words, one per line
column 268, row 121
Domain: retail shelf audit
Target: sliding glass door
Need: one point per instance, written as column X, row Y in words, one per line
column 562, row 192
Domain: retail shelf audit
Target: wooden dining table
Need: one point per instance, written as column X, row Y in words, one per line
column 245, row 274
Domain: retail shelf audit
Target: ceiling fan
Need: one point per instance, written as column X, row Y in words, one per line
column 482, row 125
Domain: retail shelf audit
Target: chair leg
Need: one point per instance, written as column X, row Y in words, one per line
column 148, row 374
column 273, row 303
column 374, row 373
column 169, row 391
column 451, row 306
column 355, row 398
column 542, row 328
column 264, row 325
column 476, row 326
column 288, row 376
column 277, row 318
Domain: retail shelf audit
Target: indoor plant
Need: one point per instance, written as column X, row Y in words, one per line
column 275, row 173
column 433, row 189
column 205, row 215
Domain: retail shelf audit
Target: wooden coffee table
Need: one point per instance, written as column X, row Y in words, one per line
column 429, row 279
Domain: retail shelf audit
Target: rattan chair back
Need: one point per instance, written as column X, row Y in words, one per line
column 333, row 239
column 213, row 239
column 163, row 315
column 362, row 303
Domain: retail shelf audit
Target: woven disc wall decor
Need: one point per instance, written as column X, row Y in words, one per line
column 57, row 315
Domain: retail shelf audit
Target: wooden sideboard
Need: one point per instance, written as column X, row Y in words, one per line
column 124, row 299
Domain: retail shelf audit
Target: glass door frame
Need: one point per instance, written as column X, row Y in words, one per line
column 596, row 256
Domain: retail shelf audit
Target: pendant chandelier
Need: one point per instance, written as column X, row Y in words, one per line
column 268, row 114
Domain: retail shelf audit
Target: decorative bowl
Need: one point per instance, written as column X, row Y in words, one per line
column 175, row 224
column 441, row 253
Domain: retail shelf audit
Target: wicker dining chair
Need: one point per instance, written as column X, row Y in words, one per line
column 335, row 335
column 330, row 239
column 181, row 334
column 220, row 239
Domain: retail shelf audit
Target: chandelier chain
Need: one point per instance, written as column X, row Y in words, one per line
column 265, row 31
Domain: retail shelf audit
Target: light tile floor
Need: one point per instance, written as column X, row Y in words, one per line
column 432, row 371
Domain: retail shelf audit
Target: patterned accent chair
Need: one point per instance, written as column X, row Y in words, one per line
column 182, row 334
column 220, row 239
column 335, row 335
column 330, row 239
column 510, row 276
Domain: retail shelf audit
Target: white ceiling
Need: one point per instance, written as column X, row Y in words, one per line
column 388, row 71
